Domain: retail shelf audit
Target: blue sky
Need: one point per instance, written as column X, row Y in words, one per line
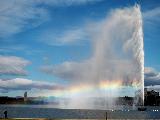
column 39, row 33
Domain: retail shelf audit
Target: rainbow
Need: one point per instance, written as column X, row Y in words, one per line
column 82, row 89
column 106, row 84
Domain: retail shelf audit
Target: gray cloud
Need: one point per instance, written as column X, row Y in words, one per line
column 3, row 90
column 151, row 76
column 68, row 70
column 155, row 87
column 26, row 84
column 12, row 65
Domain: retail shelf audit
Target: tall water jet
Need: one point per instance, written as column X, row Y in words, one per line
column 140, row 53
column 118, row 52
column 116, row 66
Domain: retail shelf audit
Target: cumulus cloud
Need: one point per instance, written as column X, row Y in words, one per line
column 151, row 76
column 7, row 85
column 12, row 65
column 19, row 15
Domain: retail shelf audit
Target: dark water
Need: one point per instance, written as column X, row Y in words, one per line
column 41, row 111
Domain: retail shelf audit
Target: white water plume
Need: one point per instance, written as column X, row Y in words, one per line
column 118, row 51
column 116, row 67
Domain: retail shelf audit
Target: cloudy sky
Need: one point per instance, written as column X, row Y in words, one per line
column 45, row 44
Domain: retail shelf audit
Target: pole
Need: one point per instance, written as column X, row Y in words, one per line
column 106, row 115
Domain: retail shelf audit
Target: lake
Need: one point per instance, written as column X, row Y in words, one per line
column 46, row 111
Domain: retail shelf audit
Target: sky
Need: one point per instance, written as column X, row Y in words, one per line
column 42, row 42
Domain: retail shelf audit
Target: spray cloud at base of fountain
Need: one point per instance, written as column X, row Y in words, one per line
column 116, row 66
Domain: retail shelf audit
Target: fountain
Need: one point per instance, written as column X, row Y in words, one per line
column 116, row 67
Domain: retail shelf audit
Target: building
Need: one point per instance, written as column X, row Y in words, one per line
column 11, row 100
column 25, row 97
column 152, row 98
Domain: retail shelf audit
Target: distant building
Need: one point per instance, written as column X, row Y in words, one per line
column 152, row 98
column 11, row 100
column 25, row 96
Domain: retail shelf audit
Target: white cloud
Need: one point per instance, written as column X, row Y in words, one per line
column 66, row 2
column 151, row 20
column 153, row 14
column 152, row 77
column 68, row 70
column 26, row 84
column 73, row 36
column 12, row 65
column 19, row 15
column 12, row 48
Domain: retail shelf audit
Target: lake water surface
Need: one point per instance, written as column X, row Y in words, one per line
column 47, row 111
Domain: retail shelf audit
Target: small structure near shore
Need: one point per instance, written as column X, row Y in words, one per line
column 25, row 97
column 142, row 108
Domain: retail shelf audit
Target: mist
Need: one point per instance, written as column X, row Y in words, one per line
column 116, row 63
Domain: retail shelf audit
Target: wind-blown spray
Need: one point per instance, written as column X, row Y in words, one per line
column 116, row 67
column 119, row 54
